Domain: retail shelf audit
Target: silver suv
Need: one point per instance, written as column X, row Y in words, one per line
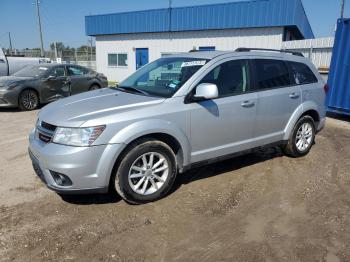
column 174, row 113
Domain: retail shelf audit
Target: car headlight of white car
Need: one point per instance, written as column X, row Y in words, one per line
column 77, row 136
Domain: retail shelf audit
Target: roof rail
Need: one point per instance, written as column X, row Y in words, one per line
column 246, row 49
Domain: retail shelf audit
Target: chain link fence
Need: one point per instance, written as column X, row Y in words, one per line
column 83, row 58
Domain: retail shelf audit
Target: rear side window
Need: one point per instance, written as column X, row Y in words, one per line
column 302, row 74
column 77, row 71
column 271, row 73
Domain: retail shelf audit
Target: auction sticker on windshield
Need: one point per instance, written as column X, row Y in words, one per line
column 194, row 63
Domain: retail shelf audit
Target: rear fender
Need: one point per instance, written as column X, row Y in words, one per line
column 301, row 109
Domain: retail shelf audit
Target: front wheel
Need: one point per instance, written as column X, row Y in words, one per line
column 302, row 138
column 28, row 100
column 146, row 172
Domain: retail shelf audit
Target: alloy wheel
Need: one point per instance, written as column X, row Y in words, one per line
column 304, row 137
column 29, row 100
column 148, row 173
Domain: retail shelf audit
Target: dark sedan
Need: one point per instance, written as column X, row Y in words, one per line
column 41, row 84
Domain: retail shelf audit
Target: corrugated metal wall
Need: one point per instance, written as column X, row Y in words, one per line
column 319, row 50
column 338, row 98
column 245, row 14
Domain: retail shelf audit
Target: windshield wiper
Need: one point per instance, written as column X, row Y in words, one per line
column 133, row 89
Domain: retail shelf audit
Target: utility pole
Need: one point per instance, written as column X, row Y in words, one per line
column 55, row 50
column 41, row 33
column 91, row 48
column 10, row 42
column 342, row 9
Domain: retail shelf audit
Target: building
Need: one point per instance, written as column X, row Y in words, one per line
column 127, row 41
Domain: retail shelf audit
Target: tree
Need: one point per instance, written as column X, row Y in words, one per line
column 59, row 45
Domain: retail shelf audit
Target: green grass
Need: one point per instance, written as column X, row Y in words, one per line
column 112, row 83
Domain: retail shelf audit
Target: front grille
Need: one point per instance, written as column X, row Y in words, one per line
column 48, row 126
column 45, row 131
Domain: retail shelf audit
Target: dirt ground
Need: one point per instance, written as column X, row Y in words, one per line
column 259, row 207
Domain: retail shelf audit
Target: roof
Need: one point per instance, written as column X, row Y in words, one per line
column 244, row 14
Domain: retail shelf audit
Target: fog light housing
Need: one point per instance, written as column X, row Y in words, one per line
column 3, row 101
column 61, row 179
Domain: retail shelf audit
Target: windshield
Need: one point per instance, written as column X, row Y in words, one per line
column 163, row 77
column 31, row 71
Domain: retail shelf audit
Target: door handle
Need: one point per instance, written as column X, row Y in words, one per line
column 294, row 95
column 247, row 104
column 67, row 81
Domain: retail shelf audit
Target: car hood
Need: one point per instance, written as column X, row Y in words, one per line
column 75, row 110
column 7, row 80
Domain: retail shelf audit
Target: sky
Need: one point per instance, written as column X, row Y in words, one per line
column 63, row 20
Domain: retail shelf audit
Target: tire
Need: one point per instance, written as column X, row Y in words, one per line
column 298, row 138
column 94, row 87
column 132, row 169
column 28, row 100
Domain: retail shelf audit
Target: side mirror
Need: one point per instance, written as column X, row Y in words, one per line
column 206, row 91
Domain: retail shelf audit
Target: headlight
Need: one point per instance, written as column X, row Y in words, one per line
column 77, row 136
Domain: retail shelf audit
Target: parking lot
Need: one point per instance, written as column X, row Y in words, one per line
column 259, row 207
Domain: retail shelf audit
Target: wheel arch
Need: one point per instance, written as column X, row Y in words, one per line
column 308, row 108
column 95, row 84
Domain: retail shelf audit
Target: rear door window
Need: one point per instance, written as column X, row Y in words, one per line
column 271, row 73
column 59, row 71
column 302, row 74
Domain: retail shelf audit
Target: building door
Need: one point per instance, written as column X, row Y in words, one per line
column 206, row 48
column 141, row 57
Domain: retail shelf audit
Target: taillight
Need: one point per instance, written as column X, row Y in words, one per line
column 326, row 88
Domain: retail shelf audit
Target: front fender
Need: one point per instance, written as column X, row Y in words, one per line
column 146, row 127
column 301, row 109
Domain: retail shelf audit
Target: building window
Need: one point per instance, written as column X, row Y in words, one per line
column 117, row 60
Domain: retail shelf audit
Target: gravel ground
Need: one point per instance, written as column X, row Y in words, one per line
column 259, row 207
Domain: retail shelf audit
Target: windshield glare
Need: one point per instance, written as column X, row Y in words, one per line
column 31, row 71
column 164, row 76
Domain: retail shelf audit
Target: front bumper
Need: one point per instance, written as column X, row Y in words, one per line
column 9, row 98
column 89, row 168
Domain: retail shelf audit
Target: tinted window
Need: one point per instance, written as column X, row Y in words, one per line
column 58, row 71
column 302, row 74
column 271, row 73
column 231, row 77
column 76, row 71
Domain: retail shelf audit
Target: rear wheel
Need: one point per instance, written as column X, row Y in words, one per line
column 302, row 138
column 94, row 87
column 28, row 100
column 146, row 172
